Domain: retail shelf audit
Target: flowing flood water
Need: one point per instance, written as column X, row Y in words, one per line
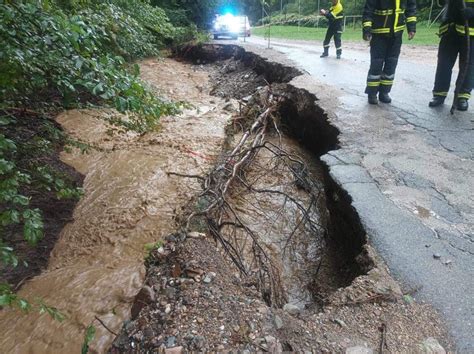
column 96, row 268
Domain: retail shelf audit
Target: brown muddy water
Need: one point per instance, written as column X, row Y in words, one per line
column 96, row 268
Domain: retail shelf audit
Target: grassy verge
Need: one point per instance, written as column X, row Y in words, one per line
column 424, row 35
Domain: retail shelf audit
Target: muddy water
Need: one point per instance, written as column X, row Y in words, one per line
column 293, row 238
column 96, row 268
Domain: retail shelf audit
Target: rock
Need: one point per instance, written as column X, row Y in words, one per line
column 196, row 234
column 170, row 342
column 174, row 350
column 273, row 344
column 436, row 256
column 340, row 322
column 200, row 320
column 229, row 107
column 359, row 350
column 144, row 297
column 198, row 343
column 168, row 308
column 209, row 277
column 278, row 322
column 448, row 262
column 291, row 309
column 431, row 346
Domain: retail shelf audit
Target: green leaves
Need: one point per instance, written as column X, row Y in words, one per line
column 32, row 226
column 88, row 338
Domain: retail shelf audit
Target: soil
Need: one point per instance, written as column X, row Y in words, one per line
column 195, row 299
column 56, row 213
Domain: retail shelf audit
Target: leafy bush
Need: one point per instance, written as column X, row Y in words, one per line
column 66, row 54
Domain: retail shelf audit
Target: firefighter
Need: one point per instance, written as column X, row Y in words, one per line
column 383, row 23
column 452, row 43
column 334, row 16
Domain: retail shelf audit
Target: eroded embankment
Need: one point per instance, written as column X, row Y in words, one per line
column 96, row 268
column 211, row 288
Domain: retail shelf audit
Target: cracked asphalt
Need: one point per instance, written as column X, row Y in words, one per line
column 408, row 168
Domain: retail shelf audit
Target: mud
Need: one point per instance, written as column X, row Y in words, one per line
column 359, row 301
column 96, row 267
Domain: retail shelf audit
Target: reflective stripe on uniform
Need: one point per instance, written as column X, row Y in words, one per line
column 373, row 83
column 411, row 19
column 386, row 82
column 441, row 94
column 388, row 77
column 367, row 24
column 464, row 95
column 397, row 15
column 373, row 77
column 460, row 29
column 326, row 46
column 381, row 30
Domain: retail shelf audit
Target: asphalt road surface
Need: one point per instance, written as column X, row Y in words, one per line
column 408, row 168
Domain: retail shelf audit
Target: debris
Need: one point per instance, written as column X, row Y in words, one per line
column 436, row 256
column 340, row 322
column 144, row 297
column 195, row 234
column 209, row 277
column 432, row 346
column 359, row 350
column 278, row 322
column 292, row 309
column 174, row 350
column 448, row 262
column 170, row 341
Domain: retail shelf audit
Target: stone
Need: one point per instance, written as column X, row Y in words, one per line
column 144, row 297
column 278, row 322
column 170, row 341
column 359, row 350
column 209, row 277
column 448, row 262
column 196, row 234
column 174, row 350
column 340, row 322
column 292, row 309
column 431, row 346
column 168, row 308
column 436, row 256
column 229, row 107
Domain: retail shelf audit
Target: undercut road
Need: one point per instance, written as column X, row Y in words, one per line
column 408, row 168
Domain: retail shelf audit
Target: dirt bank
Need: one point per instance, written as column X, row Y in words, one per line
column 96, row 267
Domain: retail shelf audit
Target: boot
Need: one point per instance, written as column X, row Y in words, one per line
column 325, row 53
column 373, row 99
column 462, row 104
column 338, row 56
column 436, row 101
column 384, row 97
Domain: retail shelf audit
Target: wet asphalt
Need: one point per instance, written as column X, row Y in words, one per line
column 408, row 168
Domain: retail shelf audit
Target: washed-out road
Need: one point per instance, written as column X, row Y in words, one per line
column 408, row 168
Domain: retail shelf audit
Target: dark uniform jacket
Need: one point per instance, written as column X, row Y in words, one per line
column 335, row 15
column 454, row 17
column 389, row 16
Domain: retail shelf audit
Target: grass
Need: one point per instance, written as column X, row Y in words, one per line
column 424, row 35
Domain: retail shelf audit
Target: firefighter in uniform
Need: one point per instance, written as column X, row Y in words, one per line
column 334, row 16
column 383, row 23
column 453, row 42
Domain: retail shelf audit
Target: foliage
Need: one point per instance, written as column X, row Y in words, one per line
column 65, row 54
column 10, row 299
column 88, row 338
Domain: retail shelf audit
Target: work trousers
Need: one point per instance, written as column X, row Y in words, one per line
column 334, row 30
column 451, row 45
column 384, row 53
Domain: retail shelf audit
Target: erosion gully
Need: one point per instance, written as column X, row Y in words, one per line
column 97, row 267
